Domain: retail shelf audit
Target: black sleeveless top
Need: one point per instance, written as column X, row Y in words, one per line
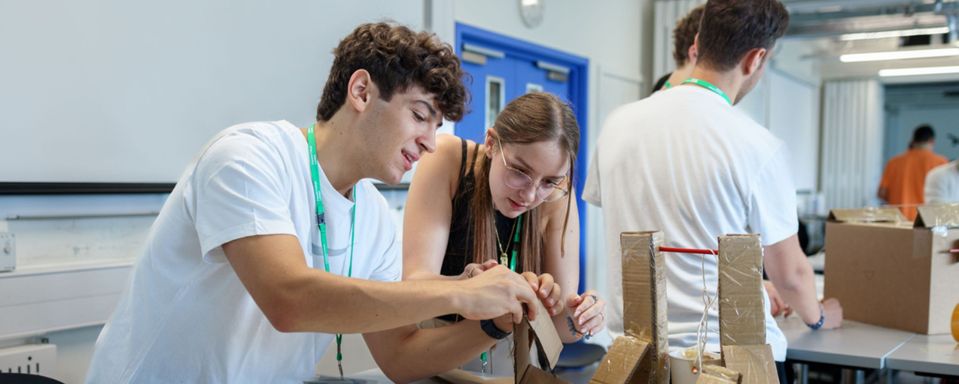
column 459, row 246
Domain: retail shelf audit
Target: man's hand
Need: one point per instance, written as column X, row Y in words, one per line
column 777, row 303
column 493, row 293
column 832, row 310
column 474, row 269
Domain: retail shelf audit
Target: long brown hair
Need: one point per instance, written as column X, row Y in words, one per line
column 531, row 118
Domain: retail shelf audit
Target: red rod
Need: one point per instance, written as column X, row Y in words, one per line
column 689, row 250
column 954, row 250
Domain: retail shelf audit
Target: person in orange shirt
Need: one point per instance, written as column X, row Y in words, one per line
column 904, row 178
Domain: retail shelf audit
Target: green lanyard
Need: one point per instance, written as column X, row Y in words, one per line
column 321, row 223
column 514, row 254
column 709, row 86
column 667, row 85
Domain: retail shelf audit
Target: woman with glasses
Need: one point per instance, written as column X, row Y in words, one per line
column 506, row 201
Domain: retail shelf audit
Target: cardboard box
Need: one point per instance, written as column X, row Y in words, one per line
column 888, row 272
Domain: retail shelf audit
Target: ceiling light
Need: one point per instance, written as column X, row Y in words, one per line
column 899, row 55
column 899, row 33
column 918, row 71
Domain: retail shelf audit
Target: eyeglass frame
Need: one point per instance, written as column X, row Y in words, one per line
column 553, row 189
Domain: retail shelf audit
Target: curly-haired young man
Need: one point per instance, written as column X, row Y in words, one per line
column 272, row 242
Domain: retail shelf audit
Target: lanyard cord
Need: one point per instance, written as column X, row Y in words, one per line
column 709, row 86
column 514, row 255
column 321, row 223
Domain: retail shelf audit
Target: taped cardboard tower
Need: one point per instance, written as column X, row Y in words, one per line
column 642, row 354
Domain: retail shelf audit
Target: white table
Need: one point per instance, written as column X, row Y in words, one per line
column 935, row 354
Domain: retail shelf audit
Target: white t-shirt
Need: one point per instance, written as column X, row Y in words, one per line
column 684, row 162
column 942, row 184
column 186, row 317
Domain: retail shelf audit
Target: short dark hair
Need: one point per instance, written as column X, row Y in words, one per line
column 684, row 35
column 923, row 134
column 731, row 28
column 396, row 58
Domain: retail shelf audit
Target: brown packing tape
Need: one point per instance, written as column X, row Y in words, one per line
column 955, row 323
column 754, row 362
column 742, row 317
column 621, row 361
column 867, row 215
column 644, row 301
column 935, row 215
column 713, row 374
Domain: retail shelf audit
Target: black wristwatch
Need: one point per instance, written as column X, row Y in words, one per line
column 492, row 330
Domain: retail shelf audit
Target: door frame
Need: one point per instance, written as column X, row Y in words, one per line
column 578, row 82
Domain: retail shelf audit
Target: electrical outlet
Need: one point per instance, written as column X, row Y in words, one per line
column 8, row 252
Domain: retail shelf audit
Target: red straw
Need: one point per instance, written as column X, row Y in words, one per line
column 689, row 250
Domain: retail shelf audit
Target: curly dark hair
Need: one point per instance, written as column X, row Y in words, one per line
column 396, row 58
column 731, row 28
column 685, row 34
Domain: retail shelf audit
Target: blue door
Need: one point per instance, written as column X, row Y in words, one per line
column 503, row 68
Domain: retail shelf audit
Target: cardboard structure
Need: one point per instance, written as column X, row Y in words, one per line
column 540, row 332
column 892, row 273
column 641, row 356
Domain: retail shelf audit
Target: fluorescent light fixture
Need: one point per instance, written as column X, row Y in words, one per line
column 899, row 33
column 899, row 55
column 918, row 71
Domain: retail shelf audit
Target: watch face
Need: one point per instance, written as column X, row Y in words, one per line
column 531, row 11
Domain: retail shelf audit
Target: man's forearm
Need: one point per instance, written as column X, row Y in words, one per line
column 423, row 353
column 334, row 304
column 799, row 291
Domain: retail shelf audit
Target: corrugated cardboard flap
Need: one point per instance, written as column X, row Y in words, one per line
column 714, row 374
column 754, row 362
column 621, row 361
column 867, row 215
column 937, row 215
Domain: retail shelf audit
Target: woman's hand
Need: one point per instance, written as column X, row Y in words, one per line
column 548, row 292
column 588, row 312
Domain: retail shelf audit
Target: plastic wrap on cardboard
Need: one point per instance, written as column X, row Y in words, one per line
column 621, row 361
column 938, row 218
column 754, row 362
column 741, row 307
column 644, row 301
column 868, row 215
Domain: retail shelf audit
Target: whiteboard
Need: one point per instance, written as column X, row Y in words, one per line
column 129, row 91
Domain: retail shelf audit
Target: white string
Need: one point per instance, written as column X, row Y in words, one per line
column 702, row 331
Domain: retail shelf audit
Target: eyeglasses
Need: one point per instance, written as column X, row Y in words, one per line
column 516, row 179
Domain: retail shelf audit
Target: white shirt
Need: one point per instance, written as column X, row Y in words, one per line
column 185, row 317
column 683, row 161
column 942, row 184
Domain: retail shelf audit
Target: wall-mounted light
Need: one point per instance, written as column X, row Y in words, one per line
column 899, row 55
column 899, row 33
column 918, row 71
